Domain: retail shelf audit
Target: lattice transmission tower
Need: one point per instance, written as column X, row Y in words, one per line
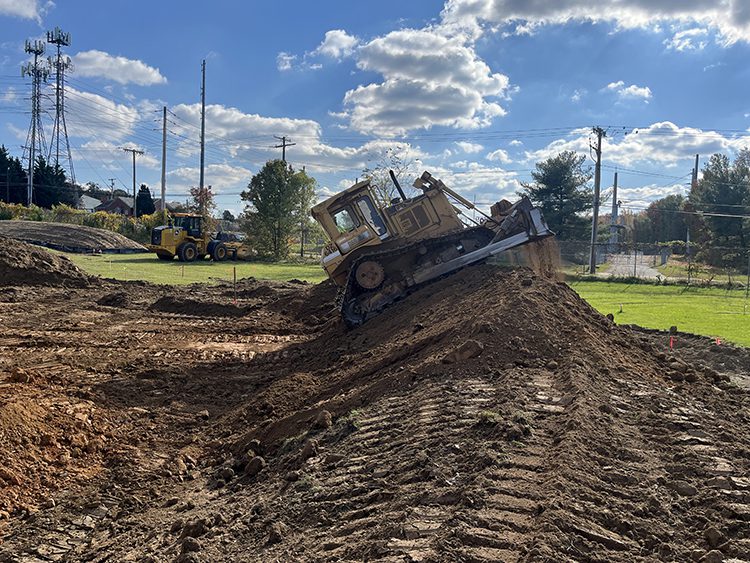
column 35, row 144
column 59, row 64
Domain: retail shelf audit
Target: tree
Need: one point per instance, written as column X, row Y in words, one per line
column 560, row 188
column 228, row 216
column 202, row 201
column 278, row 206
column 51, row 187
column 13, row 178
column 394, row 158
column 663, row 220
column 144, row 202
column 724, row 189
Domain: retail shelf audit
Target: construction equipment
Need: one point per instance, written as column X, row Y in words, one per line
column 185, row 237
column 377, row 255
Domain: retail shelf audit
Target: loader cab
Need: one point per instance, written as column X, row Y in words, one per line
column 193, row 224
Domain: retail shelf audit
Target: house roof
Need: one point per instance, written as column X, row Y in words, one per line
column 88, row 202
column 110, row 203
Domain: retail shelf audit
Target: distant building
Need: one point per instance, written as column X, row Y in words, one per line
column 172, row 206
column 119, row 204
column 88, row 203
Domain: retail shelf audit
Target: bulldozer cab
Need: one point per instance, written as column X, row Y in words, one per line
column 352, row 219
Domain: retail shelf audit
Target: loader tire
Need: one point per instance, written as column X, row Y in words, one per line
column 219, row 252
column 188, row 252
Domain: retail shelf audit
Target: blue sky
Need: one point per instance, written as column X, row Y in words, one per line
column 476, row 91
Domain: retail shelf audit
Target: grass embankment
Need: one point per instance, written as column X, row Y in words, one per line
column 701, row 310
column 701, row 272
column 148, row 268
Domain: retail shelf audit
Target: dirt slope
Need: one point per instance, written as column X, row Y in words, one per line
column 493, row 416
column 64, row 236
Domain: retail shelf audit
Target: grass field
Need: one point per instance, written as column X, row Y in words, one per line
column 708, row 311
column 146, row 267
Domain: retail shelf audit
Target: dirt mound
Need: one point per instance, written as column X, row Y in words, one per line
column 23, row 264
column 67, row 237
column 491, row 416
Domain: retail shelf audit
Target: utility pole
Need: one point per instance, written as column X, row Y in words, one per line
column 135, row 195
column 284, row 144
column 613, row 218
column 203, row 130
column 7, row 184
column 36, row 132
column 597, row 189
column 60, row 39
column 694, row 183
column 112, row 186
column 164, row 160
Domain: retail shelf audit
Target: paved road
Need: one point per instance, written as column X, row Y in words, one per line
column 621, row 265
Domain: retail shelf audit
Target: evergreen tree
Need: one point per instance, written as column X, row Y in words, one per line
column 51, row 186
column 144, row 203
column 13, row 178
column 560, row 188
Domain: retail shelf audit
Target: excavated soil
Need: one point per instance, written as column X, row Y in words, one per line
column 24, row 264
column 492, row 416
column 67, row 237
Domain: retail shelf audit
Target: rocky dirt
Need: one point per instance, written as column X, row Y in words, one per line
column 68, row 237
column 507, row 421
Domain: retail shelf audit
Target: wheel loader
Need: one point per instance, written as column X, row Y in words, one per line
column 185, row 237
column 379, row 254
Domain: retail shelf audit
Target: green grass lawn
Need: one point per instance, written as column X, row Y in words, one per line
column 148, row 268
column 708, row 311
column 679, row 269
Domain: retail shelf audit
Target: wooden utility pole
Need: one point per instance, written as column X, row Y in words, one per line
column 164, row 160
column 694, row 183
column 203, row 124
column 135, row 195
column 284, row 144
column 597, row 190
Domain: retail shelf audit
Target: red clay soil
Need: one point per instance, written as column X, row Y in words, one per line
column 492, row 416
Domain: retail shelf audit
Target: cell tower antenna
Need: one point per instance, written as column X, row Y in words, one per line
column 35, row 139
column 60, row 64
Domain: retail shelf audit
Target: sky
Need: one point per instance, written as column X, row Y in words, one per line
column 474, row 91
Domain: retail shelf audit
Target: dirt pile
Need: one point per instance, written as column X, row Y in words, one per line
column 67, row 237
column 491, row 416
column 23, row 265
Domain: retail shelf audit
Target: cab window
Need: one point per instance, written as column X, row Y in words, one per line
column 371, row 215
column 345, row 220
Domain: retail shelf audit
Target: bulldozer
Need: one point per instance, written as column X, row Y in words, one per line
column 186, row 237
column 378, row 254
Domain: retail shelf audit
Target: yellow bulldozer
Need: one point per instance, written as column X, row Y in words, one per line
column 186, row 237
column 378, row 254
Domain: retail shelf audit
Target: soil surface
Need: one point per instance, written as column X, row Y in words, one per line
column 491, row 416
column 67, row 237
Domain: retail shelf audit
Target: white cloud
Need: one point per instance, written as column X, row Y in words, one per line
column 500, row 156
column 631, row 92
column 730, row 18
column 337, row 44
column 516, row 143
column 107, row 153
column 688, row 40
column 90, row 116
column 662, row 143
column 577, row 95
column 640, row 197
column 429, row 79
column 221, row 177
column 284, row 61
column 10, row 95
column 469, row 148
column 119, row 69
column 26, row 9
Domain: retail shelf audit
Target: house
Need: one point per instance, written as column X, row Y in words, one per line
column 119, row 204
column 88, row 203
column 172, row 206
